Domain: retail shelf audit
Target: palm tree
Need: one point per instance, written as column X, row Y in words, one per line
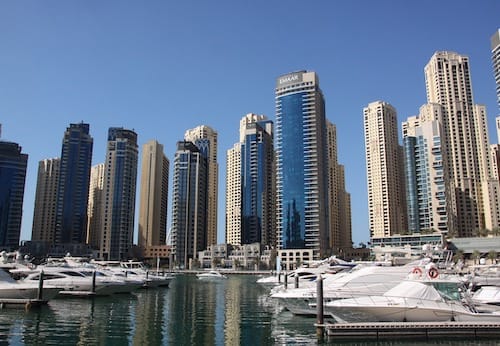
column 459, row 255
column 476, row 255
column 492, row 256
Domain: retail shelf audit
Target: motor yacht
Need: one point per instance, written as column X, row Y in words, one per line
column 438, row 299
column 361, row 280
column 11, row 289
column 212, row 274
column 74, row 282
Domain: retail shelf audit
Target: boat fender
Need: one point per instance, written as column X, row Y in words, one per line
column 433, row 273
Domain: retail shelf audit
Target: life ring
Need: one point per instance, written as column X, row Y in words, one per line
column 417, row 270
column 433, row 273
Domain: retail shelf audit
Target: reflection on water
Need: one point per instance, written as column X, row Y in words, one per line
column 235, row 311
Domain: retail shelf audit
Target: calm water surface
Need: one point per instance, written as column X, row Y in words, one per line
column 235, row 311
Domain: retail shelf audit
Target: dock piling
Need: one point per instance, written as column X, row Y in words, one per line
column 320, row 327
column 296, row 278
column 93, row 281
column 40, row 286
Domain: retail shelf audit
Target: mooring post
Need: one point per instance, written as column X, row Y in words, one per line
column 93, row 281
column 296, row 278
column 40, row 286
column 319, row 308
column 286, row 280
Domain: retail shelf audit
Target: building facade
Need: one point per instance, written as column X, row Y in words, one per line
column 339, row 200
column 495, row 55
column 257, row 181
column 154, row 196
column 384, row 171
column 120, row 180
column 233, row 195
column 206, row 139
column 73, row 187
column 44, row 215
column 465, row 139
column 189, row 204
column 13, row 164
column 429, row 201
column 95, row 206
column 301, row 164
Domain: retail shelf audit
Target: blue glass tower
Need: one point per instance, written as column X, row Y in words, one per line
column 257, row 190
column 302, row 166
column 73, row 186
column 120, row 180
column 189, row 203
column 12, row 179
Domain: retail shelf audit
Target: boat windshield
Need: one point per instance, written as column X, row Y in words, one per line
column 448, row 290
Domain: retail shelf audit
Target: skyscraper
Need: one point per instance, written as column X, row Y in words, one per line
column 233, row 195
column 384, row 171
column 429, row 198
column 338, row 198
column 301, row 164
column 120, row 180
column 189, row 204
column 495, row 53
column 154, row 196
column 205, row 138
column 448, row 83
column 95, row 206
column 13, row 166
column 73, row 187
column 44, row 216
column 252, row 184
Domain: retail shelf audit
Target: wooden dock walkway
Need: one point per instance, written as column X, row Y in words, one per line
column 410, row 330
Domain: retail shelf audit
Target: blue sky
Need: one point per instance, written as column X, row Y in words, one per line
column 161, row 67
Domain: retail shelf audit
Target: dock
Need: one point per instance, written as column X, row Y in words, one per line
column 28, row 303
column 409, row 330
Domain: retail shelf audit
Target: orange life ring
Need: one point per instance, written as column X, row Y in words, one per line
column 417, row 270
column 433, row 273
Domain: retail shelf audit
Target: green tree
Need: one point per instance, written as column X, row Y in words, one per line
column 492, row 256
column 476, row 255
column 458, row 255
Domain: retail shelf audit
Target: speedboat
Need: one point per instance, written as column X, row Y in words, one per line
column 212, row 274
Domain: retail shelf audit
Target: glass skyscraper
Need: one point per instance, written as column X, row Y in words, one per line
column 189, row 203
column 302, row 166
column 120, row 180
column 13, row 165
column 257, row 183
column 73, row 186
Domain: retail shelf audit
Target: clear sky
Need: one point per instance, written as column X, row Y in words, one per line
column 161, row 67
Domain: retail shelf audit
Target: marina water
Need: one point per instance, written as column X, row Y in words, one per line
column 236, row 311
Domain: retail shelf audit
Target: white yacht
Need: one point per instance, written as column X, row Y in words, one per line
column 212, row 274
column 135, row 270
column 427, row 300
column 11, row 289
column 361, row 280
column 74, row 282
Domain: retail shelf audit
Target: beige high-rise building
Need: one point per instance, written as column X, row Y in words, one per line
column 44, row 218
column 448, row 83
column 154, row 196
column 94, row 211
column 205, row 138
column 233, row 195
column 386, row 196
column 338, row 199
